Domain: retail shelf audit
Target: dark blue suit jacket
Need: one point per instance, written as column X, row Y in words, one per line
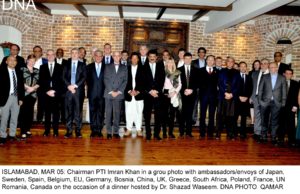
column 222, row 82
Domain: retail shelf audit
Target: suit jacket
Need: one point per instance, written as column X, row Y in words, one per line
column 111, row 60
column 193, row 82
column 115, row 81
column 156, row 83
column 20, row 62
column 292, row 95
column 80, row 76
column 45, row 79
column 245, row 87
column 195, row 63
column 139, row 83
column 95, row 84
column 208, row 83
column 266, row 92
column 222, row 83
column 282, row 67
column 5, row 85
column 140, row 60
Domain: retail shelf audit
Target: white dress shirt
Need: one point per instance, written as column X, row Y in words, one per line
column 133, row 73
column 10, row 72
column 153, row 68
column 59, row 61
column 38, row 63
column 180, row 63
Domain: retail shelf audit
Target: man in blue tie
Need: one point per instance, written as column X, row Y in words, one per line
column 271, row 98
column 95, row 91
column 74, row 76
column 107, row 59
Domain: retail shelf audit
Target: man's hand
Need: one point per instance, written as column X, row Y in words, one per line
column 188, row 92
column 228, row 96
column 72, row 89
column 115, row 94
column 243, row 99
column 51, row 93
column 294, row 109
column 154, row 93
column 20, row 102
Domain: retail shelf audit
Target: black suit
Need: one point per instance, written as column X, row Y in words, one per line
column 111, row 61
column 54, row 82
column 74, row 102
column 139, row 81
column 5, row 85
column 20, row 62
column 243, row 108
column 62, row 96
column 141, row 62
column 95, row 93
column 287, row 119
column 188, row 101
column 282, row 67
column 208, row 98
column 157, row 84
column 196, row 63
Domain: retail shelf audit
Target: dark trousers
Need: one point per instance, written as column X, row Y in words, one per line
column 26, row 113
column 40, row 106
column 96, row 106
column 112, row 113
column 270, row 113
column 73, row 103
column 169, row 113
column 62, row 109
column 287, row 125
column 207, row 102
column 149, row 104
column 243, row 110
column 51, row 110
column 225, row 119
column 186, row 118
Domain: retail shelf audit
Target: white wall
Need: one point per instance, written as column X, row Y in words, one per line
column 9, row 34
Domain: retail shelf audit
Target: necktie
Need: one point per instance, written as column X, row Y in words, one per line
column 187, row 76
column 73, row 75
column 209, row 70
column 51, row 69
column 243, row 76
column 98, row 70
column 107, row 60
column 15, row 83
column 143, row 60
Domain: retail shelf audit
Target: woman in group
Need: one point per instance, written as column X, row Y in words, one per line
column 31, row 77
column 255, row 67
column 171, row 89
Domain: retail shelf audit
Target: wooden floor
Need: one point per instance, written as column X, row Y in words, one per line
column 134, row 151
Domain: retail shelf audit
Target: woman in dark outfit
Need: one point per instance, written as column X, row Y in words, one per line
column 31, row 77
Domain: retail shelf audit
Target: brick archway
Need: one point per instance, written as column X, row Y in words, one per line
column 290, row 32
column 14, row 22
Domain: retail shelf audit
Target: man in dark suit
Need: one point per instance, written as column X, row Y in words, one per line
column 134, row 96
column 14, row 51
column 189, row 80
column 82, row 54
column 243, row 105
column 256, row 80
column 143, row 54
column 198, row 63
column 11, row 98
column 59, row 59
column 209, row 94
column 287, row 123
column 154, row 82
column 107, row 59
column 228, row 84
column 51, row 85
column 74, row 76
column 281, row 66
column 272, row 98
column 115, row 80
column 95, row 91
column 124, row 57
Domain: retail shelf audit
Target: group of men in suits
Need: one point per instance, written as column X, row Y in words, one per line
column 138, row 80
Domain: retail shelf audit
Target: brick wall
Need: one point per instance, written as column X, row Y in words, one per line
column 245, row 42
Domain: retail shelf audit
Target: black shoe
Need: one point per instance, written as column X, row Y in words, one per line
column 68, row 135
column 116, row 136
column 148, row 137
column 172, row 136
column 2, row 141
column 78, row 135
column 12, row 138
column 28, row 134
column 274, row 142
column 190, row 135
column 109, row 136
column 46, row 134
column 263, row 140
column 100, row 135
column 55, row 134
column 157, row 138
column 165, row 136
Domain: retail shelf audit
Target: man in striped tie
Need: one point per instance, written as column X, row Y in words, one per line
column 11, row 96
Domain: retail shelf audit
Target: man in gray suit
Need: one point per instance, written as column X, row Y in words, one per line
column 256, row 80
column 115, row 80
column 271, row 98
